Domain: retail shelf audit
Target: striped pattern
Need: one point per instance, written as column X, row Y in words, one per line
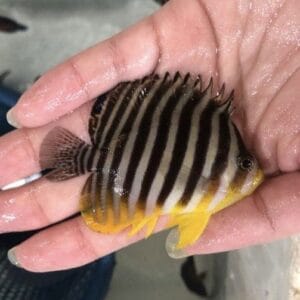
column 166, row 138
column 159, row 142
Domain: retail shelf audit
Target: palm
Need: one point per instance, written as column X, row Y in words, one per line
column 234, row 43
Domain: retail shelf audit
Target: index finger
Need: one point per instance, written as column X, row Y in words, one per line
column 86, row 75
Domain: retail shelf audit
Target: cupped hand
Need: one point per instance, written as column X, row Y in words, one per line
column 252, row 46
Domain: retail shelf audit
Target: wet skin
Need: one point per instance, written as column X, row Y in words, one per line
column 253, row 46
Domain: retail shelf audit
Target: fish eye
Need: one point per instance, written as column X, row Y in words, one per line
column 245, row 163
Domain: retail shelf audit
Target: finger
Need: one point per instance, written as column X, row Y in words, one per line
column 157, row 43
column 69, row 245
column 39, row 204
column 271, row 213
column 19, row 150
column 274, row 214
column 87, row 75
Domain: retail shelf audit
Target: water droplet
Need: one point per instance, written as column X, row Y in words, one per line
column 7, row 218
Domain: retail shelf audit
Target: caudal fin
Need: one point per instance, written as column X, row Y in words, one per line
column 59, row 153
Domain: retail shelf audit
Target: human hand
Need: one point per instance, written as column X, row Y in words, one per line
column 252, row 46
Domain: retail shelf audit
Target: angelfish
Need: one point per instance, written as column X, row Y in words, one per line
column 161, row 145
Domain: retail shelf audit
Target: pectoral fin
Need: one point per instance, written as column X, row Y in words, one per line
column 144, row 221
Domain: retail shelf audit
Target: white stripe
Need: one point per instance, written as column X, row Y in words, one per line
column 95, row 160
column 229, row 172
column 100, row 213
column 93, row 193
column 212, row 148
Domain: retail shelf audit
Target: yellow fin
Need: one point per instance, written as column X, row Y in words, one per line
column 190, row 227
column 151, row 225
column 138, row 223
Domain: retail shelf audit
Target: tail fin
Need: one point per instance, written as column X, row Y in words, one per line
column 59, row 152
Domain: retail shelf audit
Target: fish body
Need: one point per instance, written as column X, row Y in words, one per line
column 161, row 145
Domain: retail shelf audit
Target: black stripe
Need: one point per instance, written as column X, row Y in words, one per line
column 241, row 146
column 180, row 148
column 221, row 160
column 240, row 175
column 200, row 151
column 143, row 133
column 161, row 141
column 78, row 158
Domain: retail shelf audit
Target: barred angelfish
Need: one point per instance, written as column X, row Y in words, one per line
column 161, row 145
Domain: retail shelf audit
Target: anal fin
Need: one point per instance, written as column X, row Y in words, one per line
column 190, row 227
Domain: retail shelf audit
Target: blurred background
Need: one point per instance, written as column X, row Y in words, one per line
column 45, row 33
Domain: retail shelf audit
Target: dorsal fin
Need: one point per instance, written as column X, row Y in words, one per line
column 113, row 103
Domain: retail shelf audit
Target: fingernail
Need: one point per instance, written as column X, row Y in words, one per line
column 11, row 255
column 11, row 120
column 171, row 245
